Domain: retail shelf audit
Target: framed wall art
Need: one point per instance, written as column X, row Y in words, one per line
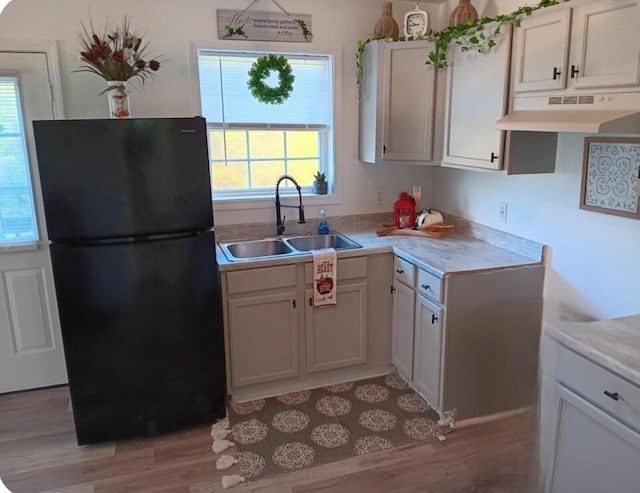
column 611, row 176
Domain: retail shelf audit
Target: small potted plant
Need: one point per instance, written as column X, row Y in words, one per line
column 320, row 185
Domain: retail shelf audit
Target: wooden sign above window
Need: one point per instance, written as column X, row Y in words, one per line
column 250, row 25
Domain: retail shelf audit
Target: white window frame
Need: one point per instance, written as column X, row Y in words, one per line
column 327, row 138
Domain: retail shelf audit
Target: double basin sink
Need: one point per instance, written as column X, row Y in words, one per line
column 285, row 246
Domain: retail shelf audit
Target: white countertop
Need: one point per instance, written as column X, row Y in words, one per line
column 613, row 344
column 453, row 253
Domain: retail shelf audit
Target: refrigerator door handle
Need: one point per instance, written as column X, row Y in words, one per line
column 133, row 239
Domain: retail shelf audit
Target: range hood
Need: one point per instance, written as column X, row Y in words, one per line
column 603, row 113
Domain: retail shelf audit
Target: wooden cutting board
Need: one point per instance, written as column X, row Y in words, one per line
column 435, row 230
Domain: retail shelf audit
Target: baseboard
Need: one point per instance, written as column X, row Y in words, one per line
column 492, row 417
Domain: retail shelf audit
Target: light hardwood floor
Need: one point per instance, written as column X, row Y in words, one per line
column 38, row 453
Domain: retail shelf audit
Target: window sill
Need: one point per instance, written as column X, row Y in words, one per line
column 267, row 202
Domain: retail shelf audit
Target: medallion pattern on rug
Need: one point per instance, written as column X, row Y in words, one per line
column 312, row 427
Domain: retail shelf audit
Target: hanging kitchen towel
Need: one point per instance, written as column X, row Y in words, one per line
column 325, row 275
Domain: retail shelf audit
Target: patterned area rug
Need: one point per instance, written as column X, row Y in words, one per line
column 312, row 427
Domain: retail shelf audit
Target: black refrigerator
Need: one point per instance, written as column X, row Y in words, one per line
column 129, row 219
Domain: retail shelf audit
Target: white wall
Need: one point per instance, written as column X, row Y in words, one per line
column 593, row 270
column 595, row 267
column 175, row 28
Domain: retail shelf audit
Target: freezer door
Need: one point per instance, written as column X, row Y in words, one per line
column 142, row 333
column 124, row 177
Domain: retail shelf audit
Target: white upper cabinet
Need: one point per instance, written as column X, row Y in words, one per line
column 594, row 45
column 476, row 97
column 541, row 51
column 605, row 47
column 397, row 103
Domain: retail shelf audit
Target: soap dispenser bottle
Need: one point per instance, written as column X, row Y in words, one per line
column 323, row 225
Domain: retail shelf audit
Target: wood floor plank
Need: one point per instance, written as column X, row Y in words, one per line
column 38, row 454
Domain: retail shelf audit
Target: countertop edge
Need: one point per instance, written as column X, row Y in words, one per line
column 366, row 238
column 561, row 333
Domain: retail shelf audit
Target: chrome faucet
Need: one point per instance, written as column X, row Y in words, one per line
column 280, row 220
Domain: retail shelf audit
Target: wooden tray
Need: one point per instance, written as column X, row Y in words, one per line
column 435, row 230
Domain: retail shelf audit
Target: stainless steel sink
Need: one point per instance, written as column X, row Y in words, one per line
column 255, row 249
column 286, row 246
column 315, row 242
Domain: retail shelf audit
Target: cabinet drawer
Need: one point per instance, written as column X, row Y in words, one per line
column 591, row 380
column 430, row 285
column 404, row 271
column 257, row 279
column 348, row 268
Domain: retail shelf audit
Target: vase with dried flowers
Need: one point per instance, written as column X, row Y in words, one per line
column 117, row 55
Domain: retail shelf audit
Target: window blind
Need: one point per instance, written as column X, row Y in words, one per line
column 17, row 215
column 226, row 98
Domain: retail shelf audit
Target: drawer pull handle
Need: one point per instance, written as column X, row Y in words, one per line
column 612, row 395
column 425, row 286
column 399, row 271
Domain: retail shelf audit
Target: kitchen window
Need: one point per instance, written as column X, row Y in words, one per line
column 251, row 144
column 17, row 214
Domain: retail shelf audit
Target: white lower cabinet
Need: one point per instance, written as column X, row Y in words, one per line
column 404, row 302
column 264, row 342
column 277, row 341
column 262, row 308
column 468, row 342
column 589, row 441
column 345, row 323
column 428, row 349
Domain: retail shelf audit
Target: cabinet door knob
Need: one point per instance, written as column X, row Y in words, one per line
column 425, row 286
column 393, row 290
column 434, row 318
column 556, row 73
column 384, row 149
column 574, row 71
column 494, row 157
column 310, row 301
column 612, row 395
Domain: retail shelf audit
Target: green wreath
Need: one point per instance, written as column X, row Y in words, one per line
column 260, row 70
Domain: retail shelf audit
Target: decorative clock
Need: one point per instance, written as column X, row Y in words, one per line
column 416, row 23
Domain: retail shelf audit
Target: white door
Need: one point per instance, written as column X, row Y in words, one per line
column 476, row 97
column 404, row 302
column 600, row 30
column 31, row 353
column 427, row 359
column 540, row 52
column 409, row 100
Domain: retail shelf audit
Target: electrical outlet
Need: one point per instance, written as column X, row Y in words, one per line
column 379, row 197
column 502, row 211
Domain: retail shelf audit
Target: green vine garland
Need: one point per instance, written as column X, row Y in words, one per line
column 472, row 35
column 305, row 30
column 231, row 31
column 261, row 69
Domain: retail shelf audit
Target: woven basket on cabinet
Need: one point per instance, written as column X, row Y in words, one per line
column 464, row 12
column 386, row 26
